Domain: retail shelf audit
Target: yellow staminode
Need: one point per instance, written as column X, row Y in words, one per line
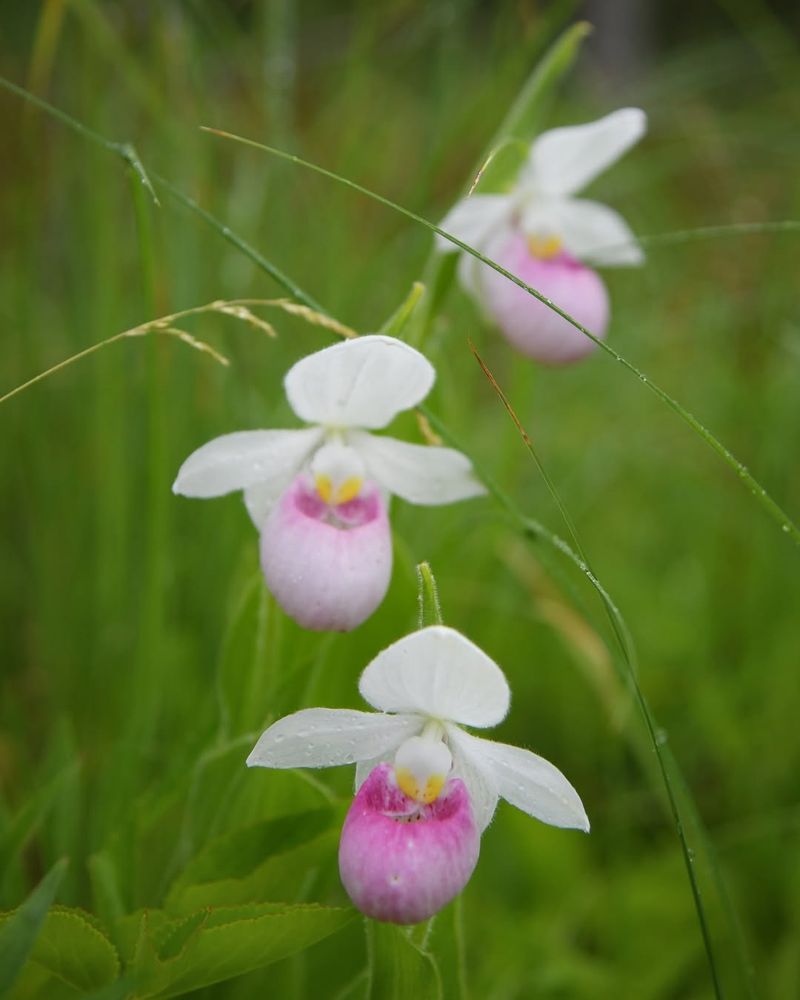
column 408, row 783
column 345, row 491
column 545, row 247
column 422, row 764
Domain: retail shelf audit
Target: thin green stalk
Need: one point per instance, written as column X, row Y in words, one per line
column 771, row 506
column 429, row 608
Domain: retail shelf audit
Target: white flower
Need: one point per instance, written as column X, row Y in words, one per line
column 426, row 687
column 318, row 495
column 541, row 203
column 343, row 391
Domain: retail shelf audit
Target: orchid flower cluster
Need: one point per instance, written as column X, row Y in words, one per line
column 425, row 788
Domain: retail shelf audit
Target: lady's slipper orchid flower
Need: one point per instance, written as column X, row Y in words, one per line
column 544, row 235
column 426, row 789
column 319, row 495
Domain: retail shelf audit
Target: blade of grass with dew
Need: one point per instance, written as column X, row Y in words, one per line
column 129, row 155
column 775, row 511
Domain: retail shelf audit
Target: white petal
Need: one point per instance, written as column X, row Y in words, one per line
column 592, row 232
column 422, row 474
column 472, row 220
column 236, row 461
column 476, row 776
column 528, row 782
column 364, row 382
column 564, row 160
column 261, row 498
column 439, row 673
column 328, row 737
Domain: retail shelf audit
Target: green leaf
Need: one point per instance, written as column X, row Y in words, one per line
column 395, row 324
column 20, row 929
column 74, row 947
column 268, row 859
column 221, row 943
column 399, row 968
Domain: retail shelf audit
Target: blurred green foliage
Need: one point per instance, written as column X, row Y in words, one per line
column 140, row 654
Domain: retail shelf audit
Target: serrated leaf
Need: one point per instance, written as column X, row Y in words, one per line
column 227, row 942
column 20, row 929
column 72, row 946
column 398, row 967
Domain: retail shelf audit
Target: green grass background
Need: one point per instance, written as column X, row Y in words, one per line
column 140, row 655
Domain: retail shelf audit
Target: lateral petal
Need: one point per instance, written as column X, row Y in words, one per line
column 591, row 232
column 421, row 474
column 528, row 782
column 329, row 737
column 245, row 458
column 475, row 774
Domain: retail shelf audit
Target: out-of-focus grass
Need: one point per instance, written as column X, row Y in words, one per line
column 128, row 615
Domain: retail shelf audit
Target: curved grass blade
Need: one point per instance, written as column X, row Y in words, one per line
column 775, row 511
